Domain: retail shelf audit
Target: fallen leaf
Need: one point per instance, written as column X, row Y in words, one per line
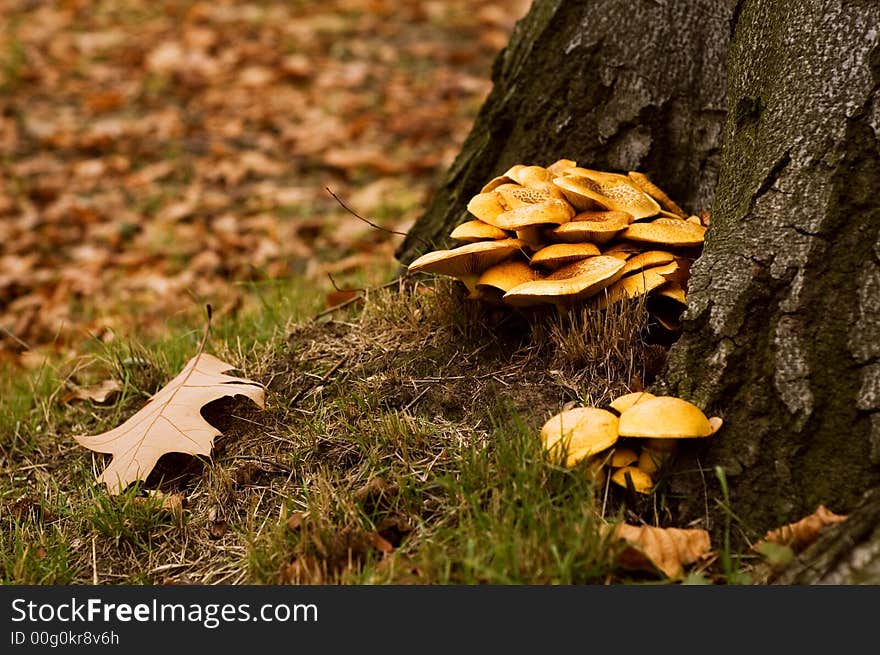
column 668, row 550
column 800, row 534
column 170, row 422
column 295, row 521
column 380, row 543
column 342, row 296
column 99, row 393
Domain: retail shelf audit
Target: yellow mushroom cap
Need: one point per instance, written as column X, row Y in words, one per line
column 607, row 190
column 664, row 417
column 627, row 400
column 561, row 165
column 647, row 259
column 506, row 275
column 643, row 183
column 468, row 261
column 532, row 175
column 513, row 197
column 622, row 250
column 559, row 254
column 667, row 321
column 623, row 457
column 666, row 304
column 593, row 226
column 679, row 233
column 632, row 286
column 642, row 481
column 568, row 284
column 579, row 433
column 669, row 271
column 673, row 291
column 650, row 461
column 496, row 182
column 486, row 206
column 477, row 230
column 547, row 212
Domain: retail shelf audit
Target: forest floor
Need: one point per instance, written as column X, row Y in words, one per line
column 160, row 157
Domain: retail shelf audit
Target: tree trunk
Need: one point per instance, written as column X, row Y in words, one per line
column 846, row 553
column 612, row 84
column 782, row 336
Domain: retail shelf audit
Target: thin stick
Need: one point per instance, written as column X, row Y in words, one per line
column 371, row 224
column 343, row 289
column 332, row 309
column 348, row 302
column 94, row 563
column 210, row 313
column 15, row 338
column 299, row 394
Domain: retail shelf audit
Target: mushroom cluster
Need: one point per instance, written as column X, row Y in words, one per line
column 563, row 235
column 634, row 436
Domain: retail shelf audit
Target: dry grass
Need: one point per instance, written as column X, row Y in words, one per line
column 399, row 444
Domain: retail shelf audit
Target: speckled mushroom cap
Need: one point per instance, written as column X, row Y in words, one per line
column 513, row 197
column 593, row 226
column 547, row 212
column 672, row 233
column 643, row 183
column 477, row 230
column 608, row 191
column 558, row 254
column 664, row 417
column 568, row 284
column 486, row 206
column 576, row 434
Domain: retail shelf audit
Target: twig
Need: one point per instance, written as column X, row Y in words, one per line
column 416, row 399
column 348, row 302
column 94, row 563
column 15, row 338
column 323, row 380
column 341, row 305
column 371, row 224
column 341, row 289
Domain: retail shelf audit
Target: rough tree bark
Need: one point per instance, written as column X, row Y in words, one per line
column 613, row 84
column 782, row 336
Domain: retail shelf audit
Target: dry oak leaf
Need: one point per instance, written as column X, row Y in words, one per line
column 668, row 550
column 99, row 393
column 802, row 533
column 170, row 422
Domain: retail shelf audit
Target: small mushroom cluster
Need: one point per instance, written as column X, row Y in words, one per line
column 634, row 437
column 565, row 234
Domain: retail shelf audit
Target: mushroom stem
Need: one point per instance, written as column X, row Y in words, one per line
column 470, row 281
column 531, row 235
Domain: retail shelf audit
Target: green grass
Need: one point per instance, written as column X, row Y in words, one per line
column 398, row 445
